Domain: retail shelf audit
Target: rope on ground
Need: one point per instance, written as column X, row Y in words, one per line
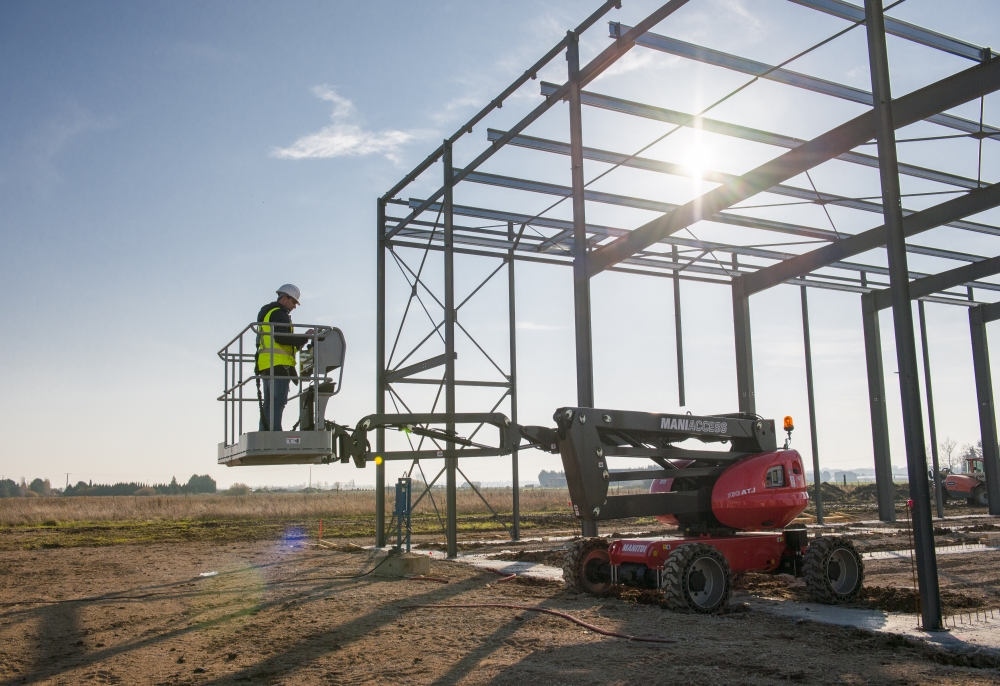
column 554, row 613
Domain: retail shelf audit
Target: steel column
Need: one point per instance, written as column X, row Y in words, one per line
column 678, row 334
column 511, row 324
column 987, row 410
column 814, row 441
column 938, row 495
column 380, row 384
column 906, row 353
column 450, row 461
column 885, row 489
column 581, row 279
column 744, row 347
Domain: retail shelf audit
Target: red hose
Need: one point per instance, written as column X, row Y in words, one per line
column 554, row 613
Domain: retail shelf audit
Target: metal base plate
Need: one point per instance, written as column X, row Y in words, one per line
column 278, row 447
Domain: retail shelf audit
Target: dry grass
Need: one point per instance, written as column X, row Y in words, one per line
column 257, row 506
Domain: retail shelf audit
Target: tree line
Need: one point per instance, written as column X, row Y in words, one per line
column 42, row 488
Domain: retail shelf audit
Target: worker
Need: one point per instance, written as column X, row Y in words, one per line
column 276, row 348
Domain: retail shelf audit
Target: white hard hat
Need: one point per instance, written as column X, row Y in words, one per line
column 291, row 291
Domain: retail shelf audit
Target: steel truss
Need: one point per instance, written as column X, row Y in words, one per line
column 410, row 229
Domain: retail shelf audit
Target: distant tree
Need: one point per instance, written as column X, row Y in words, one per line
column 238, row 489
column 201, row 484
column 145, row 490
column 9, row 489
column 949, row 456
column 174, row 488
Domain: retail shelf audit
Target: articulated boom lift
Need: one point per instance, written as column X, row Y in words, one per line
column 731, row 507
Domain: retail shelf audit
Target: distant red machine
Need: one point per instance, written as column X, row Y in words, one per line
column 733, row 508
column 971, row 485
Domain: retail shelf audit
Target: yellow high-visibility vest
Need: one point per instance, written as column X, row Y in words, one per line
column 284, row 355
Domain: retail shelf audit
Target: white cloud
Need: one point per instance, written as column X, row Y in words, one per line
column 531, row 326
column 343, row 138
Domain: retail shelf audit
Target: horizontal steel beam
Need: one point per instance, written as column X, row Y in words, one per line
column 941, row 95
column 932, row 217
column 807, row 194
column 606, row 102
column 902, row 29
column 990, row 312
column 655, row 205
column 716, row 58
column 395, row 375
column 960, row 276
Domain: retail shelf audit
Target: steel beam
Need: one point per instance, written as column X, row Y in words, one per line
column 902, row 29
column 902, row 314
column 811, row 397
column 932, row 217
column 512, row 378
column 946, row 93
column 744, row 347
column 678, row 332
column 721, row 178
column 935, row 464
column 581, row 279
column 885, row 488
column 942, row 281
column 978, row 316
column 450, row 460
column 716, row 58
column 637, row 109
column 380, row 382
column 722, row 217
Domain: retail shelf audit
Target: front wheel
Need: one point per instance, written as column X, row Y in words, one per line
column 697, row 578
column 979, row 497
column 587, row 568
column 833, row 570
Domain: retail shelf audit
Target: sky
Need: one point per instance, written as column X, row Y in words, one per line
column 164, row 167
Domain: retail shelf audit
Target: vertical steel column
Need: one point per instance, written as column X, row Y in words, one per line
column 987, row 411
column 807, row 343
column 450, row 461
column 744, row 347
column 512, row 379
column 581, row 281
column 902, row 314
column 938, row 496
column 885, row 489
column 678, row 336
column 380, row 379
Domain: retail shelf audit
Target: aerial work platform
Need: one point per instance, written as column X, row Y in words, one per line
column 313, row 438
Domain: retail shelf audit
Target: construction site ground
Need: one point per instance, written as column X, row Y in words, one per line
column 274, row 610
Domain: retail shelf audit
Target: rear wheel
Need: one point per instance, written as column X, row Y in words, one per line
column 833, row 570
column 697, row 578
column 587, row 568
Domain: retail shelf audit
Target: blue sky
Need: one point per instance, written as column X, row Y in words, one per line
column 163, row 167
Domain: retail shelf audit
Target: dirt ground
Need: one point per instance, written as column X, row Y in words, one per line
column 276, row 613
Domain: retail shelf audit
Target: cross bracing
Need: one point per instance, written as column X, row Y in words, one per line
column 740, row 231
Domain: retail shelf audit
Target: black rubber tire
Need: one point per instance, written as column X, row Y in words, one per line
column 979, row 497
column 816, row 569
column 677, row 582
column 574, row 567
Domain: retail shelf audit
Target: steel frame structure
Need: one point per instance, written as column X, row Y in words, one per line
column 431, row 224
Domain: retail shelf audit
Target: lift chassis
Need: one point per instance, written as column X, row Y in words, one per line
column 733, row 508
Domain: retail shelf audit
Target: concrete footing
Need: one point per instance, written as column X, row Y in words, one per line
column 406, row 564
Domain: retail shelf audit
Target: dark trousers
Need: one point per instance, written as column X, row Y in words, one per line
column 280, row 396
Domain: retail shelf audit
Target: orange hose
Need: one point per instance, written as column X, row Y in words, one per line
column 554, row 613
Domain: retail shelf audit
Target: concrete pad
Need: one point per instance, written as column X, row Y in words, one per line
column 406, row 564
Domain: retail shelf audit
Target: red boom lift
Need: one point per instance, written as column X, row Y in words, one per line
column 733, row 508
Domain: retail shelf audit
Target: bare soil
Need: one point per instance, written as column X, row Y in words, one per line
column 278, row 613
